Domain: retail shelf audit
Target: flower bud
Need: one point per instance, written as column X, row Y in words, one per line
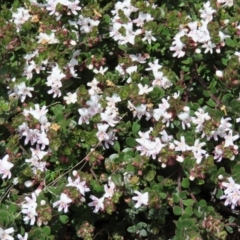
column 28, row 184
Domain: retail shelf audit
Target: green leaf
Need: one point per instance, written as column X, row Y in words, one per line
column 188, row 211
column 219, row 193
column 231, row 42
column 46, row 230
column 185, row 183
column 116, row 146
column 63, row 218
column 183, row 194
column 211, row 103
column 58, row 112
column 235, row 105
column 206, row 93
column 175, row 198
column 188, row 202
column 163, row 195
column 143, row 233
column 150, row 175
column 96, row 186
column 229, row 229
column 202, row 203
column 132, row 229
column 177, row 210
column 135, row 127
column 131, row 142
column 117, row 179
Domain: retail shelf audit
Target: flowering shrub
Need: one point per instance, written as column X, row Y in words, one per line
column 119, row 119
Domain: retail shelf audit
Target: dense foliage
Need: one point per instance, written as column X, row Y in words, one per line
column 119, row 119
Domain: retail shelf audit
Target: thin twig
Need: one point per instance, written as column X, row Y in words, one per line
column 6, row 192
column 192, row 196
column 59, row 177
column 100, row 232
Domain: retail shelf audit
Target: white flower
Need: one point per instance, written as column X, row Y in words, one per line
column 97, row 203
column 101, row 70
column 44, row 38
column 70, row 98
column 63, row 202
column 219, row 73
column 144, row 89
column 228, row 3
column 29, row 209
column 20, row 17
column 209, row 47
column 207, row 12
column 4, row 234
column 141, row 198
column 149, row 37
column 154, row 66
column 229, row 138
column 25, row 237
column 37, row 112
column 21, row 91
column 181, row 146
column 5, row 167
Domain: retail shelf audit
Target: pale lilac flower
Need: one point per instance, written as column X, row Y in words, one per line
column 85, row 115
column 109, row 191
column 97, row 203
column 81, row 186
column 73, row 6
column 218, row 153
column 101, row 134
column 63, row 203
column 231, row 193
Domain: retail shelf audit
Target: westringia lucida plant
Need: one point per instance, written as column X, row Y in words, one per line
column 119, row 119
